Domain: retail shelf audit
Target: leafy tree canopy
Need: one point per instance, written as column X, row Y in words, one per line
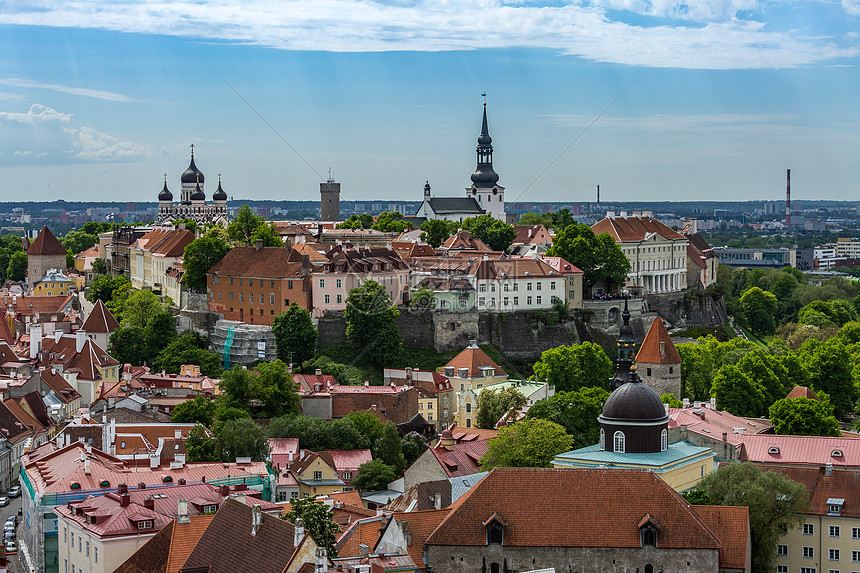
column 497, row 234
column 317, row 434
column 803, row 417
column 243, row 438
column 374, row 476
column 370, row 323
column 190, row 348
column 201, row 255
column 600, row 259
column 492, row 405
column 531, row 443
column 200, row 410
column 758, row 309
column 319, row 522
column 295, row 335
column 16, row 270
column 436, row 231
column 104, row 287
column 575, row 411
column 574, row 366
column 775, row 505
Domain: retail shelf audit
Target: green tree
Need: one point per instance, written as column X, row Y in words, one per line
column 576, row 366
column 319, row 522
column 697, row 371
column 492, row 405
column 363, row 221
column 143, row 307
column 531, row 443
column 737, row 393
column 189, row 348
column 295, row 335
column 412, row 445
column 497, row 234
column 803, row 417
column 388, row 448
column 598, row 256
column 370, row 323
column 374, row 476
column 200, row 410
column 830, row 371
column 100, row 267
column 78, row 241
column 436, row 231
column 758, row 310
column 316, row 434
column 390, row 222
column 672, row 400
column 244, row 225
column 17, row 268
column 575, row 411
column 775, row 505
column 128, row 345
column 368, row 425
column 268, row 234
column 104, row 287
column 202, row 447
column 423, row 299
column 243, row 438
column 201, row 255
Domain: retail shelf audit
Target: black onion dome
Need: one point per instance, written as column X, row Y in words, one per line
column 485, row 176
column 633, row 402
column 198, row 194
column 192, row 174
column 165, row 194
column 220, row 194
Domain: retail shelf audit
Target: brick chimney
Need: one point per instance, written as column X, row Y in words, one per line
column 124, row 500
column 149, row 503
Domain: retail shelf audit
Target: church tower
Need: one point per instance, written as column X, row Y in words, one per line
column 190, row 180
column 626, row 352
column 485, row 186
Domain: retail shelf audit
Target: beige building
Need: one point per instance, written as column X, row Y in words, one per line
column 315, row 476
column 657, row 254
column 828, row 539
column 153, row 255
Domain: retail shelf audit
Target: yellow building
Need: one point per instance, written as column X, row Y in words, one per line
column 55, row 283
column 428, row 405
column 315, row 476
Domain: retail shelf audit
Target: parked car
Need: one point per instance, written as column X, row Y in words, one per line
column 11, row 547
column 9, row 527
column 4, row 500
column 15, row 491
column 9, row 536
column 12, row 519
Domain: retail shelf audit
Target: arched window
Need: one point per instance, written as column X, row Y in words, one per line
column 649, row 568
column 664, row 441
column 602, row 440
column 618, row 442
column 494, row 568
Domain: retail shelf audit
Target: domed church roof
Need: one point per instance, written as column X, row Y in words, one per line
column 634, row 402
column 165, row 194
column 192, row 174
column 220, row 194
column 198, row 194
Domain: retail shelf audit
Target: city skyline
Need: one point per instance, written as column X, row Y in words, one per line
column 720, row 98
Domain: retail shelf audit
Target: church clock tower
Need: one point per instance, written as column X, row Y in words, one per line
column 485, row 186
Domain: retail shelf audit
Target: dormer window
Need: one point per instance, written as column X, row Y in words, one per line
column 773, row 450
column 211, row 508
column 495, row 529
column 648, row 530
column 146, row 524
column 834, row 506
column 836, row 453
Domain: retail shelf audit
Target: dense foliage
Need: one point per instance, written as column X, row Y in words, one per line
column 599, row 257
column 295, row 335
column 370, row 325
column 531, row 443
column 575, row 366
column 575, row 411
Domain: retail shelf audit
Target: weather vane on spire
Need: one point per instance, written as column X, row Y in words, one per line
column 484, row 95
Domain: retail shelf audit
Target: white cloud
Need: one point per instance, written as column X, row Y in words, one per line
column 47, row 135
column 714, row 34
column 98, row 94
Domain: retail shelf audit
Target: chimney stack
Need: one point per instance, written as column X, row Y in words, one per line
column 788, row 198
column 149, row 503
column 80, row 340
column 182, row 511
column 35, row 340
column 124, row 500
column 298, row 532
column 321, row 561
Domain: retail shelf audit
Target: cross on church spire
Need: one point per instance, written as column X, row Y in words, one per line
column 192, row 151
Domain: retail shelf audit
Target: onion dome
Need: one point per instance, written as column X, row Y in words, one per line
column 192, row 174
column 198, row 194
column 220, row 194
column 634, row 402
column 165, row 194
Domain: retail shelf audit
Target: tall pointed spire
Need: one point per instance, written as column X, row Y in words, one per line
column 484, row 175
column 626, row 353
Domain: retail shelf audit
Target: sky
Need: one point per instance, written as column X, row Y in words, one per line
column 653, row 100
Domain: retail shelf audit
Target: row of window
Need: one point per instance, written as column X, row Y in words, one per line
column 619, row 441
column 809, row 553
column 833, row 531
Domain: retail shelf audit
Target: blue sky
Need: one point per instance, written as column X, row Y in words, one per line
column 99, row 99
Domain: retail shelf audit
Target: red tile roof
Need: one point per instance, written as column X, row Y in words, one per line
column 561, row 265
column 46, row 244
column 802, row 392
column 528, row 234
column 607, row 505
column 774, row 449
column 100, row 320
column 347, row 460
column 168, row 550
column 731, row 526
column 473, row 358
column 714, row 423
column 658, row 348
column 421, row 525
column 841, row 484
column 634, row 228
column 267, row 262
column 463, row 460
column 464, row 240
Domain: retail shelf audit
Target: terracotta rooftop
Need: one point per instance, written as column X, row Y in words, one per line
column 841, row 484
column 714, row 423
column 46, row 244
column 267, row 262
column 100, row 320
column 464, row 240
column 473, row 358
column 634, row 228
column 731, row 526
column 802, row 392
column 658, row 348
column 528, row 234
column 561, row 265
column 463, row 460
column 168, row 550
column 608, row 505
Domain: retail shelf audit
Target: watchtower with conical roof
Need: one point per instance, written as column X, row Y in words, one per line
column 485, row 186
